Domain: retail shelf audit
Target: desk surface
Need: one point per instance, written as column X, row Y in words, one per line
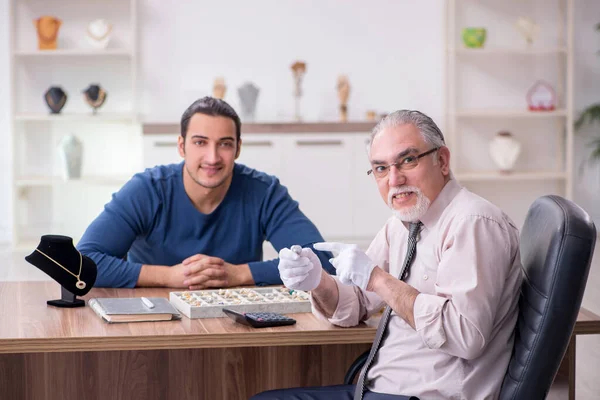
column 28, row 325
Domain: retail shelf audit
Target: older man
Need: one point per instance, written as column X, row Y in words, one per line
column 446, row 264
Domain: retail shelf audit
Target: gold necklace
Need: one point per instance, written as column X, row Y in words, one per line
column 99, row 101
column 80, row 284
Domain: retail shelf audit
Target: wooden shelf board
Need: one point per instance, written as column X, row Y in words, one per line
column 510, row 113
column 69, row 117
column 150, row 128
column 73, row 52
column 533, row 51
column 41, row 181
column 514, row 176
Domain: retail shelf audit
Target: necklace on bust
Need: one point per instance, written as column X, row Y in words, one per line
column 58, row 105
column 99, row 101
column 80, row 284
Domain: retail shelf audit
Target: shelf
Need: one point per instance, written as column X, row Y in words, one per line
column 514, row 176
column 70, row 117
column 74, row 52
column 150, row 128
column 510, row 113
column 41, row 181
column 511, row 51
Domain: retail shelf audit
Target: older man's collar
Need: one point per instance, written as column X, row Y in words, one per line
column 436, row 208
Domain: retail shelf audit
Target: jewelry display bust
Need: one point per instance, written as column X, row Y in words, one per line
column 98, row 33
column 95, row 96
column 59, row 259
column 47, row 31
column 55, row 98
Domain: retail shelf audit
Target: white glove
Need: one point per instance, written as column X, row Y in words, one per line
column 299, row 269
column 353, row 266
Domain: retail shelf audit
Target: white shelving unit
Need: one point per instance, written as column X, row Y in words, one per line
column 487, row 90
column 43, row 202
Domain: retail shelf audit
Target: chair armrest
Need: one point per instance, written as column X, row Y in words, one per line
column 355, row 368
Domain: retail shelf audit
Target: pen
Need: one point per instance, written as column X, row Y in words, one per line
column 147, row 302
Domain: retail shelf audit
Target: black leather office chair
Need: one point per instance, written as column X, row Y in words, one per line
column 557, row 244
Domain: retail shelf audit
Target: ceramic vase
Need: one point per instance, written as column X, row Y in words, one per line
column 474, row 38
column 504, row 151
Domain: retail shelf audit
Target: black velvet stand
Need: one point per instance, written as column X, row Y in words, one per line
column 62, row 250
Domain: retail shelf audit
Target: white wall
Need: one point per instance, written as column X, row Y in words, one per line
column 372, row 42
column 5, row 142
column 395, row 61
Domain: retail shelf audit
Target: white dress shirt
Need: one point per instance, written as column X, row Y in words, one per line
column 468, row 272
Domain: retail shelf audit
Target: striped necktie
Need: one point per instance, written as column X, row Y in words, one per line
column 413, row 236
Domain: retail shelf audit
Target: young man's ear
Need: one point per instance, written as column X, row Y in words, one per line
column 181, row 146
column 239, row 148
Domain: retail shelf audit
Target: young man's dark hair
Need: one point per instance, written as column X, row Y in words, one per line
column 214, row 107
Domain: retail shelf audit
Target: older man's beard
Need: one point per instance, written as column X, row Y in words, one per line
column 415, row 212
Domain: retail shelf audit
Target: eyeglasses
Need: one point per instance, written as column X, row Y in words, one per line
column 404, row 164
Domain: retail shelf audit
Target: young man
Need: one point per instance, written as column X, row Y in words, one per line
column 446, row 264
column 201, row 223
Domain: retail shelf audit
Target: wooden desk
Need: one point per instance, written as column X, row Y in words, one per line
column 50, row 353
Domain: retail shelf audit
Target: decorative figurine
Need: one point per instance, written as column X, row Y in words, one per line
column 541, row 97
column 248, row 93
column 71, row 154
column 55, row 99
column 343, row 89
column 527, row 28
column 219, row 88
column 504, row 150
column 474, row 38
column 47, row 31
column 95, row 96
column 98, row 33
column 298, row 69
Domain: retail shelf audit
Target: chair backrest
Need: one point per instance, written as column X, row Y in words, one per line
column 557, row 244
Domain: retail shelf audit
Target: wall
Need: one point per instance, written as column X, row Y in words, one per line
column 371, row 42
column 5, row 153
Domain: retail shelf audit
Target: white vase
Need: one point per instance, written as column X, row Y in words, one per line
column 71, row 154
column 98, row 33
column 504, row 150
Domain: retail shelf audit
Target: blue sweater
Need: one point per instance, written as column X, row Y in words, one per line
column 152, row 221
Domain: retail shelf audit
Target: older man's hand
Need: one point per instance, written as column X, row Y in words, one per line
column 299, row 268
column 353, row 266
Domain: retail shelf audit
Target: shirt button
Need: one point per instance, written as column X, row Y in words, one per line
column 425, row 277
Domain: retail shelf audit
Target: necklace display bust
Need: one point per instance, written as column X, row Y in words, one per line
column 58, row 258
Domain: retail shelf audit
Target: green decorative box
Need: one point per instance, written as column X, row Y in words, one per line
column 474, row 38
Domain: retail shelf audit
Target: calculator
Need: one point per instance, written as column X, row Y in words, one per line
column 259, row 319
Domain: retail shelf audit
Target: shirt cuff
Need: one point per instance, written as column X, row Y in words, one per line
column 135, row 269
column 428, row 319
column 346, row 312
